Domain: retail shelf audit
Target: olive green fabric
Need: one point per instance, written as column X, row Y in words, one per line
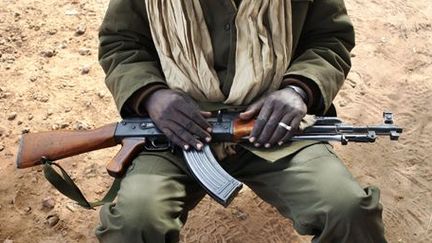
column 312, row 187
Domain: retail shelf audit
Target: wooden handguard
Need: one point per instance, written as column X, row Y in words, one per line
column 242, row 128
column 61, row 144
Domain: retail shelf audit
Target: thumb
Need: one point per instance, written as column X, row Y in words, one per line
column 252, row 110
column 206, row 114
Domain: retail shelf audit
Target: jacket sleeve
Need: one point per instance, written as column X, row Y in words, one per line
column 322, row 57
column 127, row 53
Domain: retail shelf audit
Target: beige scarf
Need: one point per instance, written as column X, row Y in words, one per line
column 182, row 40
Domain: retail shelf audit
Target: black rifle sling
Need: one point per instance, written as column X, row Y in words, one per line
column 64, row 184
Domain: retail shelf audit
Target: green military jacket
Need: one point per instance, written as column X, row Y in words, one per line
column 323, row 36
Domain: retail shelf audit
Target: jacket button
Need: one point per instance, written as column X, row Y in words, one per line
column 227, row 27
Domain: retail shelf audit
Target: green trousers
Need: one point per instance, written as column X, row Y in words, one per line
column 311, row 187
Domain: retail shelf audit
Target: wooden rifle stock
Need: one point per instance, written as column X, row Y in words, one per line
column 130, row 149
column 57, row 145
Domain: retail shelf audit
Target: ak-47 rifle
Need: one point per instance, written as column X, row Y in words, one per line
column 137, row 134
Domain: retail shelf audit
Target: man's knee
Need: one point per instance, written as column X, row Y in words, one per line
column 344, row 215
column 340, row 202
column 354, row 207
column 150, row 202
column 366, row 206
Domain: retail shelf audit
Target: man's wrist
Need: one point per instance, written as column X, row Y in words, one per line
column 300, row 92
column 300, row 84
column 138, row 98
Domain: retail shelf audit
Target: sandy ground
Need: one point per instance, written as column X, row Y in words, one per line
column 50, row 79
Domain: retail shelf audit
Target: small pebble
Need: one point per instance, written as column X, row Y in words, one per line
column 70, row 207
column 85, row 69
column 100, row 191
column 27, row 210
column 12, row 116
column 5, row 95
column 2, row 147
column 49, row 53
column 52, row 220
column 240, row 214
column 81, row 126
column 101, row 94
column 30, row 117
column 48, row 203
column 33, row 79
column 63, row 45
column 19, row 123
column 84, row 51
column 44, row 99
column 52, row 32
column 25, row 130
column 80, row 30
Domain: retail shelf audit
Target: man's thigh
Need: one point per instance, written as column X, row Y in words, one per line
column 154, row 198
column 303, row 185
column 165, row 176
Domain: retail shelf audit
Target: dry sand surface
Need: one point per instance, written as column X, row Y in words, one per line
column 50, row 79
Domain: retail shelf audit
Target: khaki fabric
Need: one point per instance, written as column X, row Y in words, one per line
column 183, row 42
column 311, row 187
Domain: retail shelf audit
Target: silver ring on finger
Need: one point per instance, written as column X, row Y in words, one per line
column 285, row 126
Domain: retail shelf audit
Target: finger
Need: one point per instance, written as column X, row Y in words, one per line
column 270, row 127
column 295, row 123
column 194, row 115
column 186, row 136
column 192, row 127
column 206, row 114
column 175, row 139
column 252, row 110
column 281, row 131
column 260, row 122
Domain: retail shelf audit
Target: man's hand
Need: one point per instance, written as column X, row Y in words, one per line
column 179, row 118
column 285, row 106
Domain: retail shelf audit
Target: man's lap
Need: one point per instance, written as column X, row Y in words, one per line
column 307, row 187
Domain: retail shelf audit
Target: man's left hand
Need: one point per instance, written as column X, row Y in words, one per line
column 281, row 107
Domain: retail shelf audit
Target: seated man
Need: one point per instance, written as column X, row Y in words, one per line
column 177, row 60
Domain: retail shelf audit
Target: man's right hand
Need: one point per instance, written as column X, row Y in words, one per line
column 179, row 118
